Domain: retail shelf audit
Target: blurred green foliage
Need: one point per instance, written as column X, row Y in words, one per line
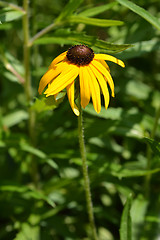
column 41, row 184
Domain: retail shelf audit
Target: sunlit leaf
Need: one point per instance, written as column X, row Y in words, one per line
column 28, row 232
column 49, row 103
column 142, row 12
column 14, row 118
column 8, row 15
column 95, row 21
column 68, row 37
column 97, row 10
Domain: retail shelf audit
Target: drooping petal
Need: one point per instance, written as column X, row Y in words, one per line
column 102, row 84
column 95, row 90
column 70, row 93
column 104, row 64
column 58, row 59
column 84, row 86
column 105, row 72
column 63, row 80
column 47, row 77
column 109, row 58
column 50, row 75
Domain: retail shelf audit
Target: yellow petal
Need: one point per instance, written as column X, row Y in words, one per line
column 50, row 75
column 105, row 72
column 58, row 59
column 95, row 90
column 47, row 77
column 102, row 84
column 109, row 58
column 84, row 86
column 64, row 79
column 70, row 93
column 104, row 64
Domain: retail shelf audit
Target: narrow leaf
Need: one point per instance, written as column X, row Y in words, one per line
column 97, row 10
column 125, row 227
column 95, row 21
column 138, row 215
column 8, row 15
column 141, row 12
column 27, row 148
column 67, row 37
column 27, row 192
column 69, row 9
column 14, row 118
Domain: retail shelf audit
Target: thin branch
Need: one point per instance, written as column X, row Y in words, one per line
column 43, row 32
column 13, row 6
column 10, row 68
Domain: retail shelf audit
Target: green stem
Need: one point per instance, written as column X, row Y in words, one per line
column 27, row 85
column 26, row 53
column 86, row 177
column 149, row 154
column 28, row 88
column 43, row 32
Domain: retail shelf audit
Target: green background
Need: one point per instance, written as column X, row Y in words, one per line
column 41, row 182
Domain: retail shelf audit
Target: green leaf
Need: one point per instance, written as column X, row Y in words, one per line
column 49, row 103
column 15, row 68
column 154, row 145
column 140, row 48
column 69, row 9
column 139, row 91
column 38, row 153
column 28, row 232
column 67, row 37
column 127, row 173
column 27, row 193
column 6, row 26
column 14, row 118
column 8, row 15
column 111, row 113
column 138, row 214
column 126, row 224
column 94, row 21
column 141, row 12
column 97, row 10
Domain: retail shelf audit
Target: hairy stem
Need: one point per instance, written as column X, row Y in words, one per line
column 86, row 176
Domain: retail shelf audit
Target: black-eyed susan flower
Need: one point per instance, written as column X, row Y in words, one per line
column 92, row 70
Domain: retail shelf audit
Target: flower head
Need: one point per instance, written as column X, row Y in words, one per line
column 92, row 70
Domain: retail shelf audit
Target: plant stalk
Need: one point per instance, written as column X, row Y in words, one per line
column 149, row 154
column 86, row 176
column 28, row 90
column 27, row 84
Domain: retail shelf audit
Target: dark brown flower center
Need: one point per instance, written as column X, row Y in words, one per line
column 80, row 55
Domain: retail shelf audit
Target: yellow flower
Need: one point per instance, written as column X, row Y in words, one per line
column 93, row 72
